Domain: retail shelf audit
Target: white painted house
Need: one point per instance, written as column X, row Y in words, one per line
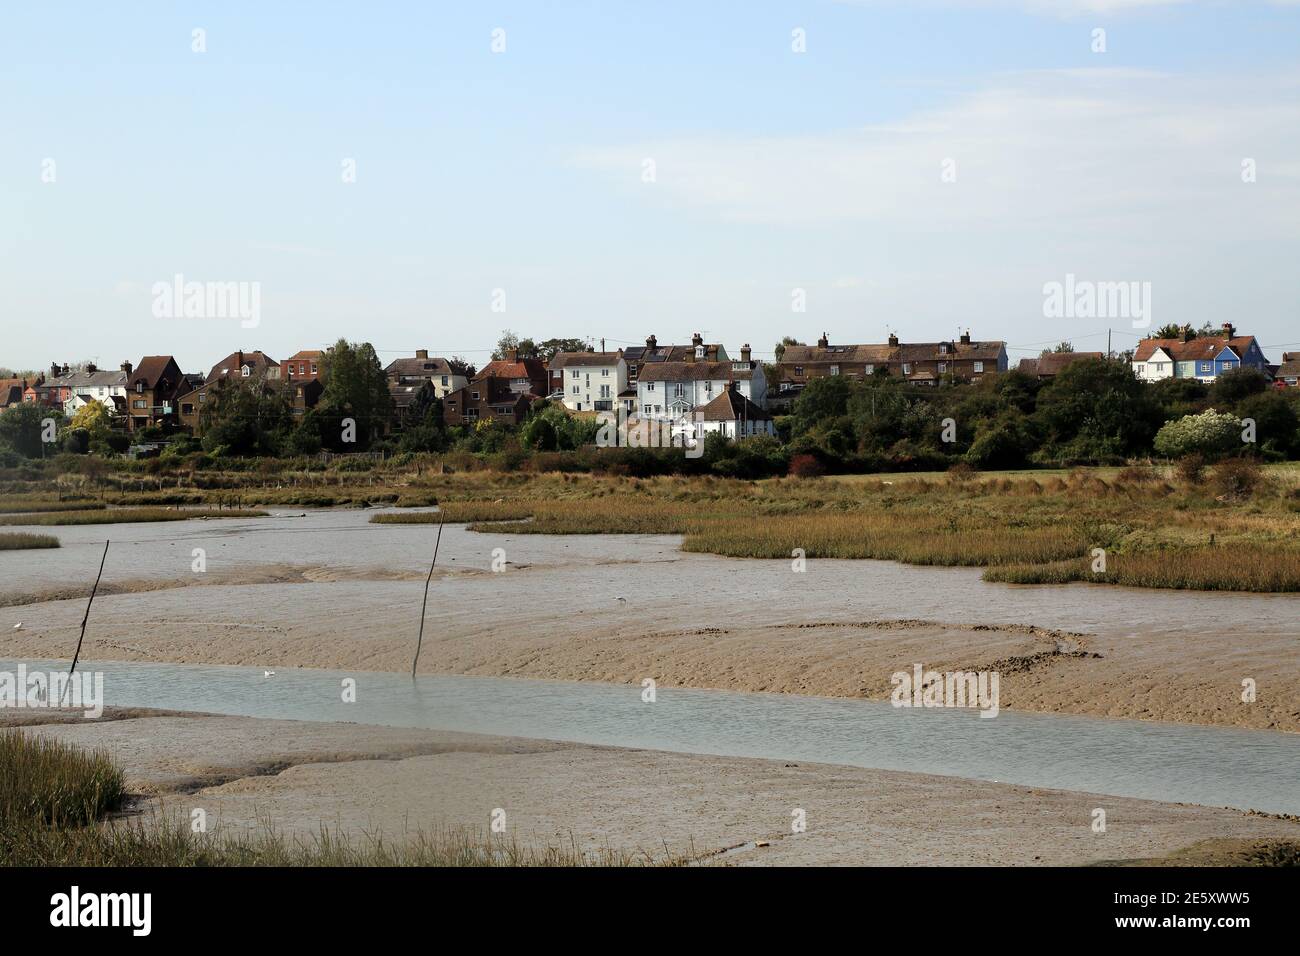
column 588, row 381
column 674, row 390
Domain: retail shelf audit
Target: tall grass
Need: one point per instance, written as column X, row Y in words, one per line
column 18, row 541
column 46, row 782
column 22, row 505
column 127, row 516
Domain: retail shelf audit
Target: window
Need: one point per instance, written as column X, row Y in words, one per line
column 649, row 386
column 577, row 389
column 1229, row 366
column 798, row 370
column 444, row 380
column 943, row 348
column 943, row 367
column 138, row 403
column 868, row 369
column 979, row 367
column 835, row 370
column 139, row 388
column 244, row 371
column 604, row 372
column 649, row 409
column 1207, row 368
column 574, row 373
column 474, row 395
column 313, row 368
column 203, row 396
column 679, row 390
column 907, row 368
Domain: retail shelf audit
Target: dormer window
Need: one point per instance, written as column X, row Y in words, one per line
column 245, row 371
column 943, row 348
column 699, row 351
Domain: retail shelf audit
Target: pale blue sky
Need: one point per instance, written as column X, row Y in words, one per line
column 522, row 170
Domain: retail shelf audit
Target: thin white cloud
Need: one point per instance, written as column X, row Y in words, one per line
column 1091, row 151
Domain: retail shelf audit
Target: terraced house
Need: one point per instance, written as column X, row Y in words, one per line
column 1204, row 357
column 927, row 363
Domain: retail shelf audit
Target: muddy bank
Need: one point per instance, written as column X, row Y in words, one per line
column 329, row 590
column 363, row 778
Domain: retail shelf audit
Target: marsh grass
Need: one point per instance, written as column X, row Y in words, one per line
column 18, row 541
column 23, row 505
column 1231, row 567
column 127, row 516
column 48, row 783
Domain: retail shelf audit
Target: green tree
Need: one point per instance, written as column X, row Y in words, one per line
column 1095, row 409
column 357, row 389
column 245, row 417
column 1232, row 387
column 23, row 428
column 1063, row 348
column 779, row 351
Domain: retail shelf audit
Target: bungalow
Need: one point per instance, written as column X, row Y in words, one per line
column 151, row 391
column 1288, row 373
column 437, row 371
column 588, row 381
column 1202, row 357
column 733, row 416
column 1048, row 364
column 919, row 364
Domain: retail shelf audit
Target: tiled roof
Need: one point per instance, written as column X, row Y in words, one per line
column 697, row 371
column 731, row 406
column 1049, row 363
column 590, row 359
column 150, row 369
column 1201, row 349
column 417, row 367
column 258, row 362
column 669, row 353
column 884, row 354
column 521, row 368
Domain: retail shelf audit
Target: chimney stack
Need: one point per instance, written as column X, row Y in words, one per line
column 697, row 339
column 744, row 352
column 54, row 370
column 651, row 342
column 91, row 368
column 893, row 340
column 1229, row 330
column 965, row 339
column 422, row 353
column 823, row 342
column 127, row 367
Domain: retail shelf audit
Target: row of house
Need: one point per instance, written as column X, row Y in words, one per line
column 697, row 384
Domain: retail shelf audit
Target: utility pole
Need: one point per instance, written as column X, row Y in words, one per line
column 1108, row 352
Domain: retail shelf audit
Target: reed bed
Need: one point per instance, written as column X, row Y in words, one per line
column 10, row 506
column 49, row 783
column 19, row 541
column 128, row 516
column 1232, row 567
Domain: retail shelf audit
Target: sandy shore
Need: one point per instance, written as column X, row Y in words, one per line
column 364, row 778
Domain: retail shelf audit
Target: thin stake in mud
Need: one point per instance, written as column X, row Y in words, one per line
column 419, row 640
column 86, row 618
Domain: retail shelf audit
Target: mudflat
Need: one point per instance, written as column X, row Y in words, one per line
column 367, row 779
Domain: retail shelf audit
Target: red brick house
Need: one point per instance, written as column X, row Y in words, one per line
column 487, row 399
column 152, row 390
column 306, row 364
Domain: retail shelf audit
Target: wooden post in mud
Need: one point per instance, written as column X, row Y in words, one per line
column 419, row 640
column 86, row 618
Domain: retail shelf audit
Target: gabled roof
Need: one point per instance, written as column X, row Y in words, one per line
column 1290, row 367
column 1049, row 363
column 815, row 354
column 698, row 371
column 884, row 354
column 418, row 367
column 731, row 406
column 530, row 368
column 670, row 353
column 11, row 391
column 307, row 355
column 257, row 361
column 151, row 369
column 1204, row 348
column 100, row 378
column 589, row 359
